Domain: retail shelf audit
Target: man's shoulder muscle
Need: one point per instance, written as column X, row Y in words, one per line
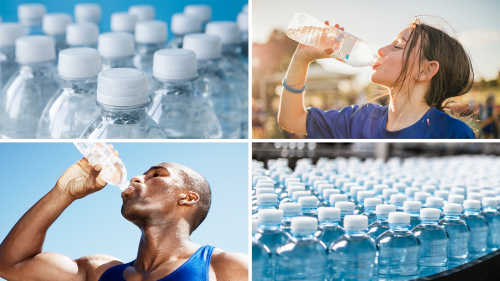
column 95, row 265
column 229, row 266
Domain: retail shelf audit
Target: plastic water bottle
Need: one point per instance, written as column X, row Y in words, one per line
column 265, row 201
column 413, row 208
column 214, row 84
column 30, row 17
column 353, row 193
column 410, row 193
column 88, row 12
column 346, row 208
column 54, row 25
column 27, row 92
column 347, row 48
column 309, row 206
column 386, row 195
column 122, row 95
column 334, row 198
column 381, row 224
column 202, row 12
column 435, row 243
column 290, row 210
column 361, row 197
column 459, row 234
column 326, row 197
column 143, row 12
column 298, row 194
column 242, row 21
column 180, row 109
column 443, row 194
column 329, row 228
column 478, row 229
column 180, row 26
column 352, row 256
column 421, row 197
column 261, row 256
column 370, row 205
column 113, row 170
column 73, row 106
column 83, row 34
column 9, row 32
column 398, row 250
column 123, row 22
column 492, row 216
column 116, row 49
column 456, row 198
column 232, row 65
column 150, row 36
column 436, row 203
column 304, row 257
column 398, row 201
column 378, row 189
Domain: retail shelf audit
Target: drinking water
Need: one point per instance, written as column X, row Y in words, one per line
column 290, row 210
column 202, row 12
column 54, row 25
column 265, row 201
column 478, row 229
column 459, row 234
column 370, row 205
column 9, row 32
column 261, row 257
column 123, row 22
column 30, row 17
column 361, row 197
column 309, row 206
column 398, row 201
column 329, row 229
column 83, row 34
column 492, row 216
column 116, row 49
column 436, row 203
column 381, row 224
column 346, row 208
column 181, row 25
column 413, row 208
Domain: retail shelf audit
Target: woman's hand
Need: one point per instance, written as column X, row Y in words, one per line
column 306, row 54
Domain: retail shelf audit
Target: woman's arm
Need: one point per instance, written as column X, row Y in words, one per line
column 292, row 114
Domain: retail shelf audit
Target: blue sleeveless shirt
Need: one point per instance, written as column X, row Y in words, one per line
column 195, row 268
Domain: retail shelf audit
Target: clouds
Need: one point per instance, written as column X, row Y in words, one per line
column 479, row 38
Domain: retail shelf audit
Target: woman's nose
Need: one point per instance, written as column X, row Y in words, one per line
column 138, row 179
column 381, row 52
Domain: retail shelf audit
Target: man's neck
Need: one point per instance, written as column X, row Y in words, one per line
column 406, row 109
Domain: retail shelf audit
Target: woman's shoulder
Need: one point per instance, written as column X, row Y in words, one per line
column 448, row 127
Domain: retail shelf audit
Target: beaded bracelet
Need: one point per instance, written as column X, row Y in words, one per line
column 293, row 90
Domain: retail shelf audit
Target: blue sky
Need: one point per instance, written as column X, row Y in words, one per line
column 94, row 224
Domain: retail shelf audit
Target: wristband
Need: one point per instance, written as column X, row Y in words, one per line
column 292, row 90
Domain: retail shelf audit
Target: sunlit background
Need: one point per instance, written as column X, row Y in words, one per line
column 333, row 85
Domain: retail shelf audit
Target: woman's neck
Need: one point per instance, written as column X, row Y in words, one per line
column 406, row 109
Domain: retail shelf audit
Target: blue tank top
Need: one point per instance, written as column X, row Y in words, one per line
column 195, row 268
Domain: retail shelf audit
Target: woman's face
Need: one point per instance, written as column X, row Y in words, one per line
column 388, row 67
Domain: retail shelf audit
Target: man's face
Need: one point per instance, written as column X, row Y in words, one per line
column 153, row 195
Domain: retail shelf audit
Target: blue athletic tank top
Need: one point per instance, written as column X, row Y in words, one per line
column 195, row 268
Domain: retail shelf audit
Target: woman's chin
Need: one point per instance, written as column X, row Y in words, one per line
column 375, row 80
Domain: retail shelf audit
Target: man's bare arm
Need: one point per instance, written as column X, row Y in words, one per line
column 229, row 266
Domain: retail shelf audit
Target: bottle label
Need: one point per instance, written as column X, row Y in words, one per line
column 347, row 46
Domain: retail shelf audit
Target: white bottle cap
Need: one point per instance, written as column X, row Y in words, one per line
column 304, row 225
column 372, row 202
column 245, row 8
column 378, row 188
column 400, row 186
column 184, row 24
column 385, row 209
column 421, row 196
column 88, row 12
column 264, row 184
column 429, row 188
column 365, row 194
column 291, row 179
column 151, row 31
column 35, row 48
column 410, row 191
column 242, row 20
column 328, row 192
column 456, row 198
column 297, row 194
column 442, row 194
column 412, row 206
column 122, row 87
column 346, row 208
column 293, row 189
column 355, row 222
column 434, row 202
column 399, row 219
column 290, row 208
column 31, row 14
column 318, row 182
column 386, row 193
column 334, row 198
column 457, row 190
column 203, row 12
column 355, row 189
column 430, row 214
column 143, row 12
column 85, row 33
column 474, row 196
column 9, row 32
column 328, row 214
column 452, row 209
column 79, row 63
column 270, row 216
column 308, row 202
column 267, row 199
column 472, row 204
column 116, row 44
column 323, row 186
column 123, row 22
column 255, row 226
column 227, row 31
column 490, row 202
column 206, row 47
column 398, row 199
column 56, row 23
column 296, row 183
column 174, row 64
column 487, row 193
column 263, row 190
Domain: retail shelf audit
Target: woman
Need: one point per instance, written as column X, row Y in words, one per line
column 422, row 68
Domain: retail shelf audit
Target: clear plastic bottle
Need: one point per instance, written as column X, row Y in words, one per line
column 88, row 12
column 327, row 192
column 9, row 32
column 370, row 205
column 329, row 229
column 123, row 22
column 387, row 193
column 492, row 216
column 73, row 106
column 381, row 224
column 413, row 208
column 347, row 48
column 410, row 193
column 421, row 197
column 398, row 201
column 150, row 36
column 122, row 95
column 398, row 250
column 304, row 257
column 353, row 193
column 334, row 198
column 29, row 89
column 180, row 26
column 436, row 203
column 352, row 256
column 290, row 210
column 478, row 229
column 143, row 12
column 261, row 256
column 30, row 17
column 346, row 208
column 54, row 25
column 459, row 234
column 435, row 243
column 378, row 189
column 213, row 83
column 309, row 206
column 113, row 170
column 443, row 194
column 361, row 197
column 116, row 49
column 265, row 201
column 178, row 108
column 83, row 34
column 202, row 12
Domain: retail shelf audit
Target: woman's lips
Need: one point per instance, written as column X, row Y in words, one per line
column 375, row 65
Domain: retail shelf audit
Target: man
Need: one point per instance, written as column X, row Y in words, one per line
column 168, row 202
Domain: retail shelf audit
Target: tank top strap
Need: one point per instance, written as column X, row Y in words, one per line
column 196, row 268
column 115, row 273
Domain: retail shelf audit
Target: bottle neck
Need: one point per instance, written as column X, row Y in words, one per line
column 94, row 46
column 59, row 38
column 289, row 216
column 176, row 87
column 398, row 228
column 303, row 236
column 117, row 62
column 82, row 86
column 148, row 48
column 7, row 53
column 206, row 64
column 266, row 206
column 328, row 223
column 452, row 217
column 370, row 210
column 488, row 209
column 355, row 232
column 382, row 218
column 229, row 50
column 425, row 222
column 471, row 212
column 38, row 69
column 125, row 112
column 269, row 226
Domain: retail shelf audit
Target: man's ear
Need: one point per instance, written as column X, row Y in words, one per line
column 189, row 198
